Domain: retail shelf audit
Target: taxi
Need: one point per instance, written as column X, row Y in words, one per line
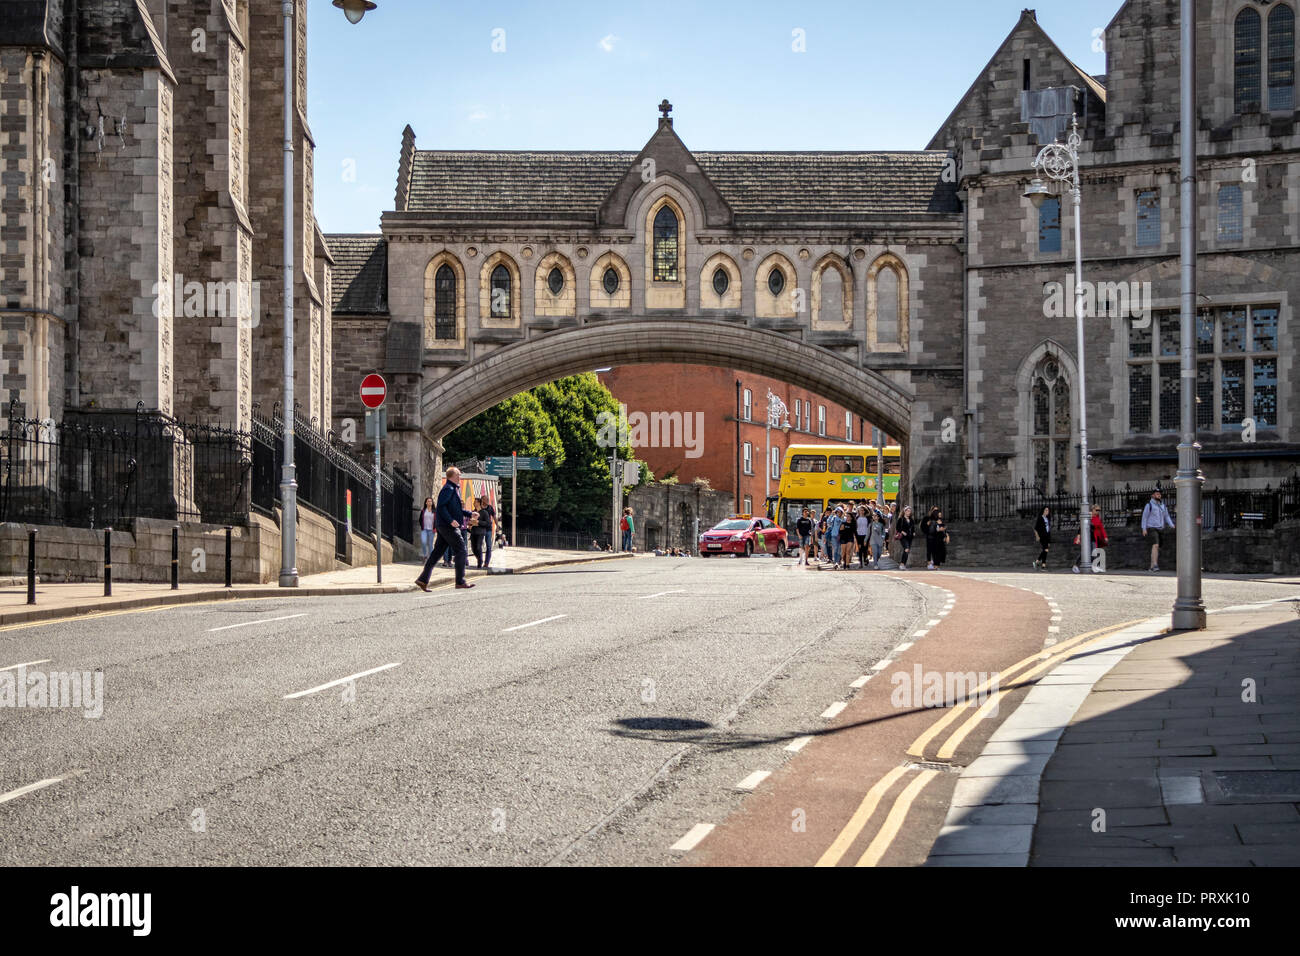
column 744, row 535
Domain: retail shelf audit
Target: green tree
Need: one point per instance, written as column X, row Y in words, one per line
column 519, row 424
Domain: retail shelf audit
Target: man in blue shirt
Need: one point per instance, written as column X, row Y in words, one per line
column 450, row 518
column 833, row 535
column 1155, row 522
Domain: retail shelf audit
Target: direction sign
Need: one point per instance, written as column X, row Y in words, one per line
column 529, row 464
column 373, row 390
column 499, row 467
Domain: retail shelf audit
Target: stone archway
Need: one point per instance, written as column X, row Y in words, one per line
column 456, row 398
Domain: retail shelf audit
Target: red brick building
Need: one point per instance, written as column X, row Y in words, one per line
column 697, row 421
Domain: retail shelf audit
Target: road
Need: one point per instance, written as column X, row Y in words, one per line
column 591, row 715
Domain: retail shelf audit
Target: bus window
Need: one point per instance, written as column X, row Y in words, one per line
column 808, row 463
column 893, row 466
column 846, row 464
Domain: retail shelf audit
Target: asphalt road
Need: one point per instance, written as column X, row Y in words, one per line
column 590, row 714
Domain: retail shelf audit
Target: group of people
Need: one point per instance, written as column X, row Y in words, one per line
column 865, row 531
column 1156, row 521
column 448, row 529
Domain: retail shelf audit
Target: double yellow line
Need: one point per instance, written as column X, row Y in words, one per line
column 1030, row 667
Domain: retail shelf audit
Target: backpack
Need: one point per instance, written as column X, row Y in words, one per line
column 623, row 524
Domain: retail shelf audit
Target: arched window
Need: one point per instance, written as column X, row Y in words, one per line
column 1245, row 61
column 444, row 303
column 500, row 293
column 1281, row 59
column 610, row 280
column 555, row 281
column 665, row 245
column 775, row 281
column 1051, row 438
column 887, row 306
column 721, row 281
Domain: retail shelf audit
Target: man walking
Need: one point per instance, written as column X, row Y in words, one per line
column 451, row 520
column 1156, row 520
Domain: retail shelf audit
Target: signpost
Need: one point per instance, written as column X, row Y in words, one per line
column 374, row 391
column 503, row 467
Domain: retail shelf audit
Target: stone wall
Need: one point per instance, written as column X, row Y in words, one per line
column 665, row 514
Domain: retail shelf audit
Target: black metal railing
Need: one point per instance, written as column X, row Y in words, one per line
column 556, row 540
column 1220, row 508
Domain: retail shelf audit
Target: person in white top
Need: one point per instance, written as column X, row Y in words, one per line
column 426, row 528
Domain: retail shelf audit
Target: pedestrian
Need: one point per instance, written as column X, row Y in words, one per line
column 426, row 528
column 1043, row 535
column 451, row 519
column 1099, row 541
column 927, row 533
column 846, row 539
column 819, row 537
column 628, row 526
column 1156, row 520
column 904, row 529
column 804, row 529
column 939, row 549
column 862, row 534
column 878, row 527
column 484, row 532
column 760, row 539
column 833, row 524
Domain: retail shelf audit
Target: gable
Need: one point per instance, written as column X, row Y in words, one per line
column 665, row 154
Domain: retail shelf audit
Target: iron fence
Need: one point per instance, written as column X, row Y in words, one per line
column 1220, row 508
column 557, row 540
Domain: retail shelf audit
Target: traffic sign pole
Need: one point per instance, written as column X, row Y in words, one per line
column 514, row 487
column 374, row 392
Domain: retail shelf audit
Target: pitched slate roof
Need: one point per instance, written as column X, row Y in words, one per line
column 360, row 277
column 535, row 184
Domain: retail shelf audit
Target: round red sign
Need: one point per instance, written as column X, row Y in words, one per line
column 373, row 390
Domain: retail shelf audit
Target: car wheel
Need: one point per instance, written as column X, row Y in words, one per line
column 780, row 549
column 749, row 549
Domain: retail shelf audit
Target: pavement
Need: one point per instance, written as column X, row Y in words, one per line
column 55, row 601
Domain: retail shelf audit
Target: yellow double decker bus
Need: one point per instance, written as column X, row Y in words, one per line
column 821, row 476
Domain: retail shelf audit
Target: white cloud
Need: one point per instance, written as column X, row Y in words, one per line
column 606, row 43
column 478, row 115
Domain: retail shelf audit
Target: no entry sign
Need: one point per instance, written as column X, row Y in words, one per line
column 373, row 390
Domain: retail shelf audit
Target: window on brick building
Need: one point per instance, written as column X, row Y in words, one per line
column 848, row 426
column 1049, row 225
column 500, row 293
column 749, row 458
column 821, row 420
column 1246, row 61
column 1281, row 58
column 749, row 505
column 444, row 303
column 1236, row 370
column 665, row 245
column 798, row 410
column 807, row 416
column 747, row 405
column 1230, row 224
column 1148, row 217
column 776, row 463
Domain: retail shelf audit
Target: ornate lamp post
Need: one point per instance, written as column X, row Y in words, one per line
column 779, row 416
column 354, row 10
column 1060, row 163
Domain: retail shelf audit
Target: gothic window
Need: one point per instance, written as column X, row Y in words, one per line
column 1148, row 218
column 610, row 281
column 555, row 281
column 775, row 281
column 1281, row 59
column 1230, row 217
column 1246, row 61
column 1236, row 370
column 887, row 306
column 721, row 281
column 1049, row 396
column 499, row 292
column 1049, row 225
column 444, row 303
column 665, row 245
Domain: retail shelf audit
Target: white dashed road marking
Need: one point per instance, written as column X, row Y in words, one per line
column 38, row 785
column 861, row 681
column 265, row 620
column 553, row 617
column 14, row 667
column 693, row 837
column 661, row 594
column 833, row 710
column 797, row 744
column 753, row 780
column 342, row 680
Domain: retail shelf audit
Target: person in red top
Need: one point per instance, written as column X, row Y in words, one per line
column 1099, row 541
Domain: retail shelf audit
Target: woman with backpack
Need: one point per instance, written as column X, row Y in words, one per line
column 628, row 527
column 1099, row 541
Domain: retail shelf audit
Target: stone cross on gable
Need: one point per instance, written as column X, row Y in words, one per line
column 665, row 107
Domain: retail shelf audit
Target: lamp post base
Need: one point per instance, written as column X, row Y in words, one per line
column 1190, row 618
column 1189, row 607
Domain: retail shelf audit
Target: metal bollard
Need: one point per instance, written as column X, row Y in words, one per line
column 176, row 558
column 108, row 562
column 229, row 558
column 31, row 567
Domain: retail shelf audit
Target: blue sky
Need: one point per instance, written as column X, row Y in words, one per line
column 587, row 75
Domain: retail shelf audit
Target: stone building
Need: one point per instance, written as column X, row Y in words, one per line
column 141, row 184
column 937, row 299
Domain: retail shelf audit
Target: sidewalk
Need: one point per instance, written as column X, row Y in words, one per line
column 55, row 601
column 1150, row 748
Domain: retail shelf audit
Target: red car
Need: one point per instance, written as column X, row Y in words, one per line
column 743, row 535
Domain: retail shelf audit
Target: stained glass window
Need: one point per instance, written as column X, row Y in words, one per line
column 1050, row 404
column 665, row 245
column 555, row 281
column 1139, row 399
column 1230, row 217
column 1170, row 390
column 1281, row 58
column 1049, row 225
column 721, row 281
column 1246, row 61
column 609, row 281
column 444, row 303
column 775, row 281
column 1265, row 391
column 1234, row 393
column 500, row 293
column 1148, row 217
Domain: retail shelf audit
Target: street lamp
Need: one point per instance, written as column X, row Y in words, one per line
column 355, row 10
column 1060, row 163
column 777, row 415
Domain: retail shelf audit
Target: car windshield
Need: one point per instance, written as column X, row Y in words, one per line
column 734, row 525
